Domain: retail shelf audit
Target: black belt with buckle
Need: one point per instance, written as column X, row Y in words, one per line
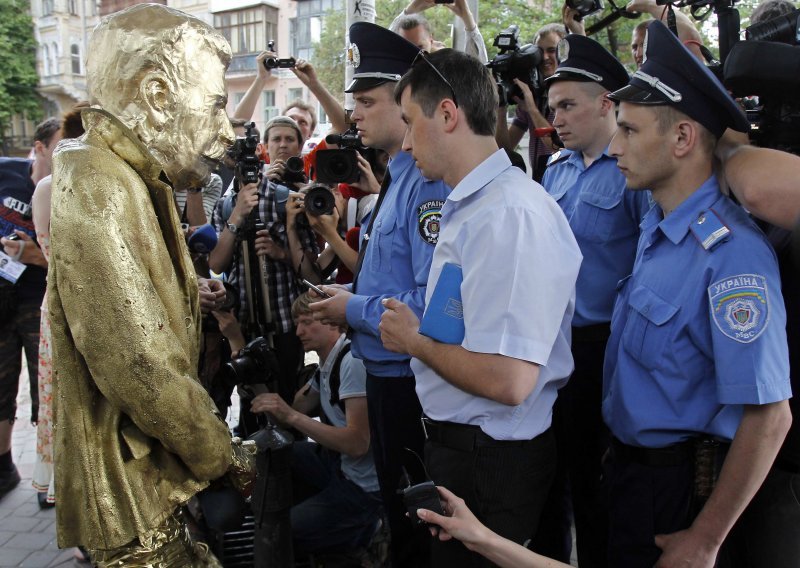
column 463, row 437
column 676, row 454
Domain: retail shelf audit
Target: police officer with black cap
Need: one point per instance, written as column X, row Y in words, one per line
column 696, row 371
column 394, row 260
column 605, row 218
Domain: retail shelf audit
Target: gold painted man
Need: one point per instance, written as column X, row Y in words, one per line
column 137, row 435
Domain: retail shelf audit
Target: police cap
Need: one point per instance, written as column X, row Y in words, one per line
column 583, row 59
column 671, row 75
column 379, row 56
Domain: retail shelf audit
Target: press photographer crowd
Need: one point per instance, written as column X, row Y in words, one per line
column 587, row 347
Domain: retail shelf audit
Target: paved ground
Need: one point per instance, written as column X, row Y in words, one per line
column 27, row 533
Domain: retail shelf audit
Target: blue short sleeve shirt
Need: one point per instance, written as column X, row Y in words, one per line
column 699, row 328
column 605, row 219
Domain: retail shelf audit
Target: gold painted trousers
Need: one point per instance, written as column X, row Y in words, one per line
column 169, row 546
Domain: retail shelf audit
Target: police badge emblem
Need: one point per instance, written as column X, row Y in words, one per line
column 429, row 215
column 353, row 55
column 739, row 306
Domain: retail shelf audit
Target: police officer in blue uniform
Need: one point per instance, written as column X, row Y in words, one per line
column 605, row 218
column 397, row 244
column 696, row 372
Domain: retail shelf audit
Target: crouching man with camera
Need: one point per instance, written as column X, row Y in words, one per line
column 337, row 471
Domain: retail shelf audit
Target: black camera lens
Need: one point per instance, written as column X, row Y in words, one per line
column 337, row 166
column 319, row 200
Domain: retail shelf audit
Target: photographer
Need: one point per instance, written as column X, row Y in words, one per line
column 532, row 113
column 299, row 111
column 288, row 249
column 343, row 509
column 414, row 27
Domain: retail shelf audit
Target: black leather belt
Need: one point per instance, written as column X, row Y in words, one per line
column 676, row 454
column 465, row 437
column 591, row 333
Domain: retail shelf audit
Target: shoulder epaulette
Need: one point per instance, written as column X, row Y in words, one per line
column 709, row 229
column 556, row 157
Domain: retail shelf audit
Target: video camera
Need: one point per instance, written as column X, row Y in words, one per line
column 275, row 62
column 341, row 166
column 515, row 62
column 765, row 70
column 243, row 152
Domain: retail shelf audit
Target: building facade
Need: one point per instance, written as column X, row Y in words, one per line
column 62, row 29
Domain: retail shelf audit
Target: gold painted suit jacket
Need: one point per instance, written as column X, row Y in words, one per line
column 135, row 433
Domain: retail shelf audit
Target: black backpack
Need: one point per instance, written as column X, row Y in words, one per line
column 335, row 377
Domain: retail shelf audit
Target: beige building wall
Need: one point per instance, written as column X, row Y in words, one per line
column 62, row 29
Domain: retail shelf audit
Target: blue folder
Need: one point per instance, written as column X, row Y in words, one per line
column 444, row 315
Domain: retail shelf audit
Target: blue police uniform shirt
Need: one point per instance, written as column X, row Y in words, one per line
column 519, row 263
column 699, row 328
column 396, row 262
column 605, row 219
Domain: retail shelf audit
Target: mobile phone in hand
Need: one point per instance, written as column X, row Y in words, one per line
column 317, row 289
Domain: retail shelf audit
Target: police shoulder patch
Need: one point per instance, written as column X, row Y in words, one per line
column 429, row 216
column 739, row 306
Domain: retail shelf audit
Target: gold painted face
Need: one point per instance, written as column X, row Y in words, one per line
column 162, row 73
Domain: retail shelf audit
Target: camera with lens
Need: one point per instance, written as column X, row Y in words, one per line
column 255, row 363
column 515, row 62
column 243, row 152
column 294, row 172
column 275, row 62
column 340, row 166
column 585, row 8
column 319, row 200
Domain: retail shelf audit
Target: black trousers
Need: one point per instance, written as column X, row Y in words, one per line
column 582, row 439
column 394, row 423
column 767, row 535
column 504, row 483
column 644, row 501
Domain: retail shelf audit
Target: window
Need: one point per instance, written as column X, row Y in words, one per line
column 47, row 7
column 54, row 67
column 75, row 55
column 72, row 7
column 248, row 31
column 46, row 60
column 294, row 94
column 237, row 98
column 270, row 110
column 306, row 28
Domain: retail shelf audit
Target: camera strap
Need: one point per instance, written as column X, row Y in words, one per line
column 387, row 180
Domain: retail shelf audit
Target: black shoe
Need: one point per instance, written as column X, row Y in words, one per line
column 41, row 497
column 8, row 480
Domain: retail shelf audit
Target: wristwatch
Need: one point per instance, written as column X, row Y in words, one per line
column 232, row 228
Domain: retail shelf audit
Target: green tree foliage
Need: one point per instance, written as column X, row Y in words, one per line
column 18, row 78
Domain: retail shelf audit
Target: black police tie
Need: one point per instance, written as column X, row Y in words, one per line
column 387, row 179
